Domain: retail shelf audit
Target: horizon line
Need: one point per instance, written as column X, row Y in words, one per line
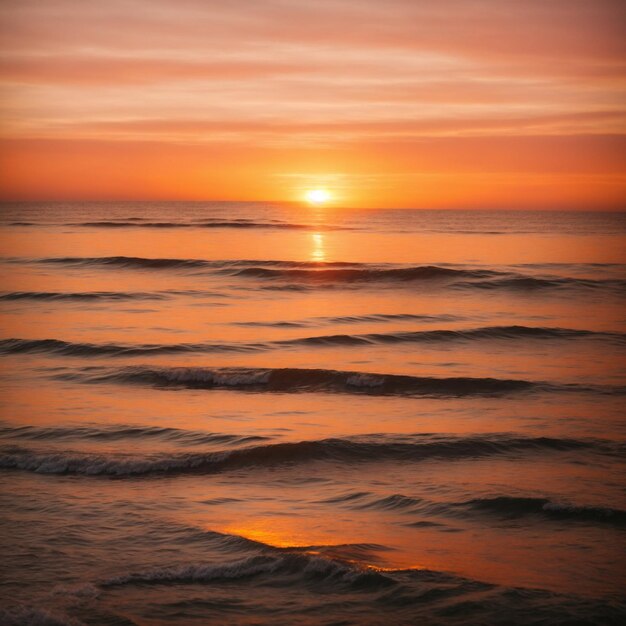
column 303, row 204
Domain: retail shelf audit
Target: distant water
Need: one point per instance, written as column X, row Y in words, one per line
column 239, row 413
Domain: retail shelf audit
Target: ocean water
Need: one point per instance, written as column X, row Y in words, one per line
column 240, row 413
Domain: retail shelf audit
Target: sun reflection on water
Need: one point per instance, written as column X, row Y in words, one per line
column 318, row 248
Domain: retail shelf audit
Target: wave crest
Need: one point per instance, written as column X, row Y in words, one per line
column 513, row 507
column 312, row 274
column 121, row 433
column 295, row 380
column 240, row 224
column 413, row 448
column 492, row 333
column 289, row 568
column 85, row 296
column 363, row 274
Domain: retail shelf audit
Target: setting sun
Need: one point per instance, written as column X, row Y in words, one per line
column 317, row 196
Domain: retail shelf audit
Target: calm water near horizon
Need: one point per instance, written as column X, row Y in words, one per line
column 245, row 413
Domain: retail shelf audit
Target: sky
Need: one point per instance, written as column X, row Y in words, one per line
column 397, row 103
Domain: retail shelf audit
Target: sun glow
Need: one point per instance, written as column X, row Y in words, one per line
column 317, row 196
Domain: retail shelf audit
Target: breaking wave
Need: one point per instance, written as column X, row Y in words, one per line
column 338, row 590
column 536, row 283
column 513, row 507
column 289, row 567
column 502, row 507
column 294, row 380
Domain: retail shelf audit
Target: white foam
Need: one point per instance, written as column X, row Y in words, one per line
column 199, row 573
column 217, row 377
column 365, row 380
column 299, row 565
column 564, row 507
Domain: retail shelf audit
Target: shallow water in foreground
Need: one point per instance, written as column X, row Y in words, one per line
column 250, row 414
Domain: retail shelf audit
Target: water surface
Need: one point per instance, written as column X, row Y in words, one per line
column 244, row 413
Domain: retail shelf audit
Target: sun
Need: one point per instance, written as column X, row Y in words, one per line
column 317, row 196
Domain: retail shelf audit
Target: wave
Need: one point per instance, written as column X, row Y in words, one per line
column 121, row 432
column 360, row 591
column 389, row 317
column 490, row 333
column 276, row 324
column 305, row 274
column 108, row 296
column 514, row 507
column 353, row 319
column 136, row 222
column 458, row 277
column 364, row 274
column 289, row 568
column 536, row 283
column 472, row 334
column 362, row 449
column 393, row 502
column 85, row 296
column 338, row 566
column 82, row 349
column 506, row 507
column 201, row 224
column 303, row 270
column 296, row 380
column 128, row 262
column 411, row 596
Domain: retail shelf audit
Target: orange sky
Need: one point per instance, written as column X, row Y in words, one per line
column 401, row 103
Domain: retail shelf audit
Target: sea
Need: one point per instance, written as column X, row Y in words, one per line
column 241, row 413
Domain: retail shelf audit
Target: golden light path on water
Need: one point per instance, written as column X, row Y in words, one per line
column 318, row 251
